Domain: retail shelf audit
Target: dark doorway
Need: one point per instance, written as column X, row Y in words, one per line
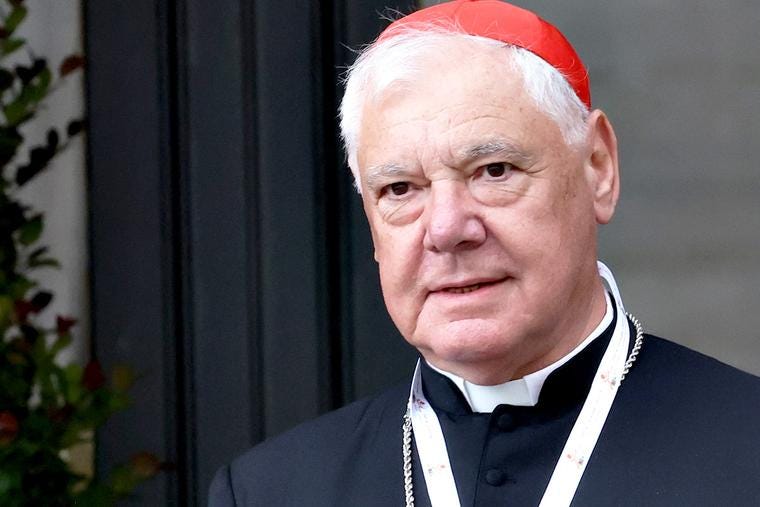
column 231, row 262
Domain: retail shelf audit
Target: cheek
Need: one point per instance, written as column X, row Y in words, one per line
column 396, row 246
column 544, row 232
column 398, row 252
column 576, row 214
column 398, row 294
column 564, row 233
column 566, row 217
column 394, row 255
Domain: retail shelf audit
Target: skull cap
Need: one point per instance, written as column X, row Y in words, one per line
column 507, row 23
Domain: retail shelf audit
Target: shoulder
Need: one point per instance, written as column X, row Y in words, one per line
column 331, row 430
column 684, row 370
column 315, row 456
column 686, row 427
column 694, row 408
column 676, row 381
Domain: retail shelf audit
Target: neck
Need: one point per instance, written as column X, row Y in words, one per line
column 524, row 391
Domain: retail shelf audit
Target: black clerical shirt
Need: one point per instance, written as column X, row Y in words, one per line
column 510, row 454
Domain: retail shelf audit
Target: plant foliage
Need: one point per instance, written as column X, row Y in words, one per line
column 45, row 408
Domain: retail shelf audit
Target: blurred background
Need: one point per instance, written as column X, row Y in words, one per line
column 210, row 235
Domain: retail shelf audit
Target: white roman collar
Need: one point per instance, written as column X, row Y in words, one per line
column 525, row 391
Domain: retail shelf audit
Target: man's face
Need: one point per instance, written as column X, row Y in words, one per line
column 482, row 218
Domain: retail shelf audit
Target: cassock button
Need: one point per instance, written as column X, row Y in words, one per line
column 495, row 477
column 505, row 422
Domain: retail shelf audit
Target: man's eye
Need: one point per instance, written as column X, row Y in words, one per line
column 399, row 188
column 497, row 170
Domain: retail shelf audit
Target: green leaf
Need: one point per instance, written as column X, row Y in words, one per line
column 58, row 379
column 46, row 262
column 40, row 357
column 15, row 111
column 96, row 495
column 123, row 480
column 6, row 310
column 35, row 88
column 15, row 18
column 73, row 373
column 36, row 259
column 38, row 252
column 38, row 91
column 10, row 46
column 74, row 390
column 61, row 343
column 10, row 480
column 117, row 401
column 20, row 286
column 31, row 231
column 73, row 435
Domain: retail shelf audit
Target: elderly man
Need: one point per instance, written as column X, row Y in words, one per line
column 484, row 174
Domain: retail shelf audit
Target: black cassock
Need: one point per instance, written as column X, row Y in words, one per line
column 684, row 430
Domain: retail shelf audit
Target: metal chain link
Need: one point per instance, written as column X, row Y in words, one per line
column 636, row 345
column 407, row 451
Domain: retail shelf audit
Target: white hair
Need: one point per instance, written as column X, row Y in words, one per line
column 396, row 62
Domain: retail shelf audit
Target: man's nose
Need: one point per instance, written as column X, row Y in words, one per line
column 451, row 218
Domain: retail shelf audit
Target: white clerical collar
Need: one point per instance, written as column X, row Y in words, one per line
column 524, row 391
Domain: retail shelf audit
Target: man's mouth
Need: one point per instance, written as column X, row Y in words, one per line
column 466, row 288
column 463, row 290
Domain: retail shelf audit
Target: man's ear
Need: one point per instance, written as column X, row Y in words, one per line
column 601, row 165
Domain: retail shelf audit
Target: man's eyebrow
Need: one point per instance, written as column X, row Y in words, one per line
column 378, row 173
column 493, row 147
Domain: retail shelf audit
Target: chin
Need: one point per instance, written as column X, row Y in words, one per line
column 465, row 342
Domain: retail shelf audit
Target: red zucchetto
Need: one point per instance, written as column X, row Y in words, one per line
column 504, row 22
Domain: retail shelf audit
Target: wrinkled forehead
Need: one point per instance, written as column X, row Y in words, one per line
column 448, row 109
column 403, row 68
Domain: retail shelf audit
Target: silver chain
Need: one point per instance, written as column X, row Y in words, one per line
column 407, row 427
column 636, row 345
column 407, row 451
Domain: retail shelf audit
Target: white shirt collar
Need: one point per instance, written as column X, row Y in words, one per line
column 524, row 391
